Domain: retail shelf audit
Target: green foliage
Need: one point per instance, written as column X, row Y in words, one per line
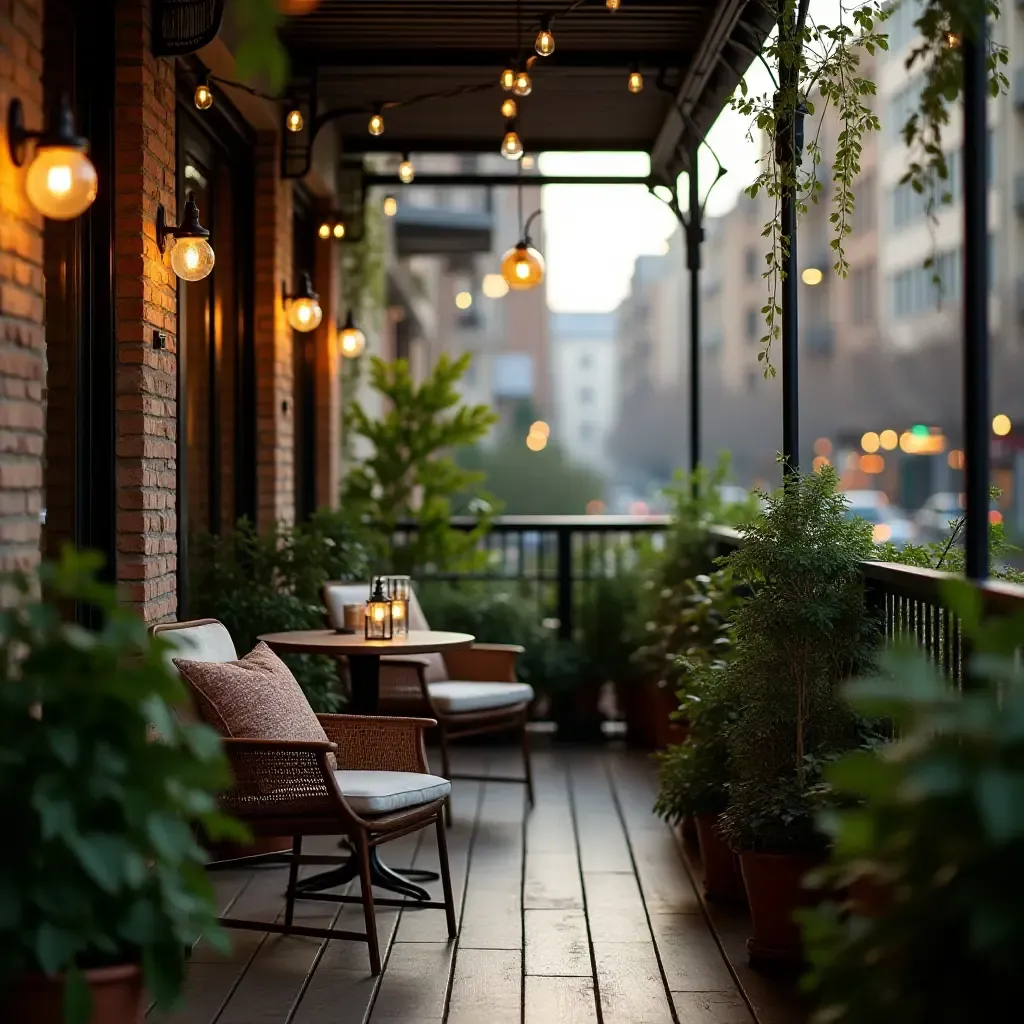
column 533, row 483
column 608, row 625
column 948, row 556
column 102, row 866
column 260, row 54
column 410, row 474
column 803, row 632
column 263, row 583
column 693, row 776
column 667, row 596
column 936, row 824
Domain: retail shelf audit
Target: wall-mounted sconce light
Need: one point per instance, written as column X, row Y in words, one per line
column 192, row 257
column 304, row 311
column 61, row 182
column 351, row 340
column 332, row 228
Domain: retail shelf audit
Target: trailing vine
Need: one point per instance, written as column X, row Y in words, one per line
column 817, row 67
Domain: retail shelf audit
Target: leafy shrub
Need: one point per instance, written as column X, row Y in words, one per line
column 102, row 867
column 937, row 827
column 264, row 583
column 803, row 632
column 609, row 627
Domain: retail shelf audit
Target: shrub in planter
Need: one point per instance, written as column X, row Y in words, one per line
column 102, row 887
column 936, row 827
column 270, row 582
column 803, row 632
column 693, row 776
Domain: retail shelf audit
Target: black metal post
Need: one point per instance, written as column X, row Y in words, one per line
column 788, row 147
column 694, row 237
column 564, row 571
column 975, row 300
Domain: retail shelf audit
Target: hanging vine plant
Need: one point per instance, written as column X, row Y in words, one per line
column 816, row 67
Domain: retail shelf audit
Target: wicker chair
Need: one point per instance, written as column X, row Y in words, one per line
column 382, row 790
column 468, row 691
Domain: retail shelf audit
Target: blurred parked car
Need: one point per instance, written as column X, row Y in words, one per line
column 887, row 521
column 935, row 515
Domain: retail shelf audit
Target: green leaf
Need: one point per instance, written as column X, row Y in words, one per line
column 77, row 998
column 101, row 856
column 1001, row 803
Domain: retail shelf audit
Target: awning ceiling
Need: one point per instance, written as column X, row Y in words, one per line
column 361, row 53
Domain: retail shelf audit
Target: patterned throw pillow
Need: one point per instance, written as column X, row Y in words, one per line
column 255, row 697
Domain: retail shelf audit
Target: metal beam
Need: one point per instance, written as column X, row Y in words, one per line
column 694, row 237
column 361, row 142
column 975, row 307
column 499, row 180
column 348, row 63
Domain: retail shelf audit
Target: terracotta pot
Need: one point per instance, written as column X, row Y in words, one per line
column 722, row 879
column 774, row 891
column 689, row 829
column 648, row 710
column 116, row 997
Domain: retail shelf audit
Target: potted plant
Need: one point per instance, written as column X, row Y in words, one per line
column 935, row 826
column 103, row 888
column 668, row 606
column 803, row 632
column 693, row 777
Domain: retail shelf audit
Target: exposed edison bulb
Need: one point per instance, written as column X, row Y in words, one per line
column 305, row 314
column 545, row 41
column 508, row 79
column 376, row 125
column 339, row 230
column 390, row 206
column 522, row 267
column 61, row 182
column 635, row 82
column 294, row 121
column 325, row 230
column 351, row 340
column 508, row 107
column 613, row 5
column 192, row 259
column 522, row 85
column 511, row 146
column 406, row 171
column 203, row 96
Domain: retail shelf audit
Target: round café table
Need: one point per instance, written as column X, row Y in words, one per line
column 364, row 673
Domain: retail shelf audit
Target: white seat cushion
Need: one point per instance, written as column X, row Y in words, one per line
column 385, row 792
column 458, row 696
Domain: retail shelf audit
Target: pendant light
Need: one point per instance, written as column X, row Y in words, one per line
column 303, row 308
column 522, row 266
column 351, row 339
column 192, row 257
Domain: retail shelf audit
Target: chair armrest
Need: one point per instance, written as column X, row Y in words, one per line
column 403, row 683
column 279, row 777
column 483, row 663
column 415, row 660
column 369, row 743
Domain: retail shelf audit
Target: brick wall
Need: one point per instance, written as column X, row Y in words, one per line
column 22, row 367
column 275, row 469
column 145, row 301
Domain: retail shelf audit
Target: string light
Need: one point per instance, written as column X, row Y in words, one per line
column 325, row 230
column 376, row 125
column 294, row 121
column 522, row 86
column 351, row 339
column 509, row 108
column 303, row 308
column 390, row 206
column 339, row 230
column 204, row 94
column 511, row 145
column 508, row 79
column 613, row 5
column 635, row 82
column 406, row 171
column 545, row 42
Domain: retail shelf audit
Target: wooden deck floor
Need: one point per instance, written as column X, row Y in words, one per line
column 577, row 912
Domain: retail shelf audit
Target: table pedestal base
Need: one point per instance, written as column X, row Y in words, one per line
column 381, row 875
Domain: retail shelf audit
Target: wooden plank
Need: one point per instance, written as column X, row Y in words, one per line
column 557, row 943
column 690, row 955
column 602, row 841
column 630, row 984
column 615, row 908
column 206, row 987
column 560, row 1001
column 492, row 918
column 487, row 987
column 552, row 881
column 415, row 983
column 711, row 1008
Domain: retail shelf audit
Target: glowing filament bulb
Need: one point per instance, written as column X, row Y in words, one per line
column 511, row 146
column 191, row 257
column 613, row 5
column 59, row 180
column 294, row 121
column 376, row 125
column 508, row 79
column 390, row 206
column 325, row 231
column 339, row 230
column 522, row 86
column 203, row 96
column 509, row 108
column 635, row 82
column 545, row 42
column 378, row 613
column 406, row 171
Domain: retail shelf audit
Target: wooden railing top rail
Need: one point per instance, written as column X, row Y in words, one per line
column 595, row 524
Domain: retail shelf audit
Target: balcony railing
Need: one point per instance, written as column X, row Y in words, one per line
column 553, row 560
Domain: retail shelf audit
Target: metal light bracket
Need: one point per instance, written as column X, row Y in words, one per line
column 188, row 228
column 61, row 131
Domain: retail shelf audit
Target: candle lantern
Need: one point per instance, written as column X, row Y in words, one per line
column 400, row 592
column 378, row 612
